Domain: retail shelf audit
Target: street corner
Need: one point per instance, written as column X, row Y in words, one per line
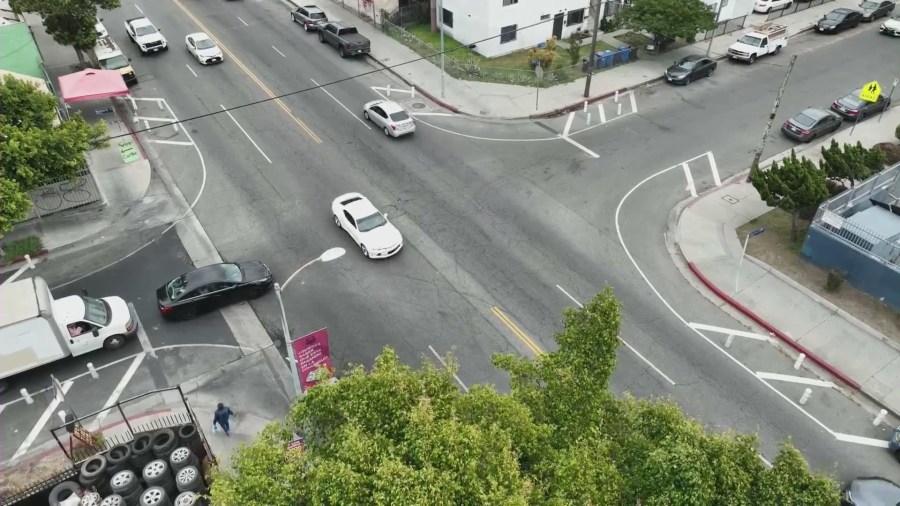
column 411, row 98
column 616, row 106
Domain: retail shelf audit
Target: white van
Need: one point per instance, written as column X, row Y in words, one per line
column 109, row 57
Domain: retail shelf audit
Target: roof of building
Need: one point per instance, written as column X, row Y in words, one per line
column 879, row 221
column 18, row 51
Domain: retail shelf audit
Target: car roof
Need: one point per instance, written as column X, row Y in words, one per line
column 312, row 8
column 875, row 488
column 359, row 206
column 693, row 57
column 843, row 10
column 141, row 22
column 815, row 112
column 390, row 106
column 203, row 276
column 198, row 35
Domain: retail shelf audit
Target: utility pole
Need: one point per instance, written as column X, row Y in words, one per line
column 587, row 83
column 440, row 8
column 718, row 14
column 755, row 165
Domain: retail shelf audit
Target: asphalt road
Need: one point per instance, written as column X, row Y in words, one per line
column 487, row 223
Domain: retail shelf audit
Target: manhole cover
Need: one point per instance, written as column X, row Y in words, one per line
column 418, row 105
column 730, row 199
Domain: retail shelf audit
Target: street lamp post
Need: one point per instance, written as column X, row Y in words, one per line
column 327, row 256
column 737, row 276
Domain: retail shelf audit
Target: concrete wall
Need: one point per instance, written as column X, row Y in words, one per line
column 475, row 20
column 732, row 8
column 865, row 273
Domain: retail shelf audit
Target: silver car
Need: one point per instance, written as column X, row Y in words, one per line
column 390, row 117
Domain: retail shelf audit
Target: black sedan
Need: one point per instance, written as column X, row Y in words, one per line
column 872, row 10
column 870, row 491
column 810, row 124
column 854, row 108
column 839, row 20
column 689, row 68
column 211, row 287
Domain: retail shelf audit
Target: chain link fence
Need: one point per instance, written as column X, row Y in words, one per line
column 724, row 27
column 796, row 6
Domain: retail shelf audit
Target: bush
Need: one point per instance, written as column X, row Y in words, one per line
column 834, row 187
column 834, row 280
column 611, row 24
column 897, row 132
column 18, row 249
column 891, row 152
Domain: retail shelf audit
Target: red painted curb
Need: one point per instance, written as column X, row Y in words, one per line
column 766, row 325
column 433, row 98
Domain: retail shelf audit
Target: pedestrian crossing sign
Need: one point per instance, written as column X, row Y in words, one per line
column 870, row 92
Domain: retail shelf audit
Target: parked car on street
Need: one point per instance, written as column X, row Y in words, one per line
column 811, row 123
column 345, row 38
column 891, row 26
column 870, row 492
column 872, row 10
column 852, row 107
column 100, row 29
column 310, row 16
column 390, row 117
column 894, row 443
column 372, row 232
column 211, row 287
column 839, row 20
column 689, row 68
column 203, row 48
column 767, row 6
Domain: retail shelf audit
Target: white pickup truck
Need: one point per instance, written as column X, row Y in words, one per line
column 36, row 329
column 767, row 38
column 145, row 35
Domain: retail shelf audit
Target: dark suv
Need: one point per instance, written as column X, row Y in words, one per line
column 310, row 16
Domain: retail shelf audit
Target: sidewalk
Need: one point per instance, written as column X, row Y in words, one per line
column 503, row 101
column 845, row 347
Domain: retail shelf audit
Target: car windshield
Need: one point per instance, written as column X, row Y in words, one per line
column 176, row 287
column 205, row 44
column 804, row 120
column 834, row 16
column 869, row 5
column 145, row 30
column 96, row 311
column 750, row 40
column 116, row 62
column 231, row 272
column 687, row 64
column 371, row 222
column 316, row 15
column 852, row 100
column 399, row 116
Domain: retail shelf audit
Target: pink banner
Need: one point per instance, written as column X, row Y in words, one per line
column 312, row 353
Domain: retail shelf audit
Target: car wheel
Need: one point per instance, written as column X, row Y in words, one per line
column 365, row 252
column 189, row 313
column 305, row 27
column 366, row 114
column 768, row 10
column 342, row 53
column 777, row 49
column 321, row 38
column 752, row 59
column 788, row 5
column 337, row 221
column 687, row 80
column 710, row 72
column 387, row 132
column 114, row 342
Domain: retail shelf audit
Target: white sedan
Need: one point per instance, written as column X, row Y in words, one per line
column 390, row 117
column 373, row 233
column 767, row 6
column 203, row 48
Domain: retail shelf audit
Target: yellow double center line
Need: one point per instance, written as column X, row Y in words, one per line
column 506, row 320
column 255, row 79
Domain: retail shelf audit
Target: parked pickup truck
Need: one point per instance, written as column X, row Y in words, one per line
column 145, row 35
column 345, row 38
column 767, row 38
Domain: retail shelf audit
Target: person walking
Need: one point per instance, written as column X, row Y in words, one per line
column 221, row 417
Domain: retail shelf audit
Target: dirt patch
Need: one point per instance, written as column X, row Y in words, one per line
column 775, row 248
column 635, row 39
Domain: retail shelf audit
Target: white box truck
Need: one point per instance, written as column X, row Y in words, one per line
column 36, row 329
column 767, row 38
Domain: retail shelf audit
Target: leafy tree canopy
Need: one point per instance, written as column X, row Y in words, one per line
column 70, row 22
column 667, row 19
column 795, row 185
column 399, row 435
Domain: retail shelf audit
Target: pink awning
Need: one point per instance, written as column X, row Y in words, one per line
column 92, row 84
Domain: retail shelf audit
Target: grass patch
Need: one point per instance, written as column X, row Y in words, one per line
column 18, row 249
column 778, row 231
column 635, row 39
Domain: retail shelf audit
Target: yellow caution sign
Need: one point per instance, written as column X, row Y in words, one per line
column 870, row 92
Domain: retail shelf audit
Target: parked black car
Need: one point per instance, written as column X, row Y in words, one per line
column 689, row 68
column 811, row 123
column 872, row 10
column 211, row 287
column 839, row 20
column 870, row 491
column 853, row 107
column 310, row 16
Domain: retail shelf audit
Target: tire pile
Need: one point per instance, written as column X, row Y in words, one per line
column 154, row 469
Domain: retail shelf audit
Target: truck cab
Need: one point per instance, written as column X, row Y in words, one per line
column 110, row 57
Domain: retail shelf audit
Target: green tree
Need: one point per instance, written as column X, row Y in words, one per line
column 22, row 105
column 795, row 186
column 71, row 23
column 790, row 482
column 14, row 205
column 574, row 50
column 668, row 19
column 851, row 163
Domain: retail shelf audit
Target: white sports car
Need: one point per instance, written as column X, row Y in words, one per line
column 373, row 233
column 203, row 48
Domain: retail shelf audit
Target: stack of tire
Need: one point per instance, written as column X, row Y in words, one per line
column 93, row 474
column 127, row 486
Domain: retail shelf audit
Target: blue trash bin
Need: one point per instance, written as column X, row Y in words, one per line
column 623, row 53
column 606, row 59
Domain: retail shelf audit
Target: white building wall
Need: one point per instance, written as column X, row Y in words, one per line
column 477, row 20
column 732, row 8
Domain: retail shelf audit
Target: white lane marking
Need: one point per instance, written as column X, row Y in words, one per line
column 850, row 438
column 189, row 210
column 732, row 332
column 255, row 145
column 151, row 118
column 142, row 333
column 342, row 105
column 624, row 114
column 173, row 143
column 441, row 360
column 39, row 426
column 690, row 180
column 138, row 7
column 192, row 70
column 579, row 146
column 630, row 347
column 715, row 169
column 765, row 462
column 117, row 392
column 679, row 317
column 242, row 21
column 633, row 103
column 568, row 124
column 279, row 52
column 393, row 90
column 602, row 113
column 794, row 379
column 432, row 114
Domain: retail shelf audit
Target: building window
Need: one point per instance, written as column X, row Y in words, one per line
column 508, row 33
column 575, row 17
column 545, row 17
column 510, row 2
column 447, row 17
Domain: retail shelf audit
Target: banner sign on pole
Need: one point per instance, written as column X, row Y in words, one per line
column 313, row 357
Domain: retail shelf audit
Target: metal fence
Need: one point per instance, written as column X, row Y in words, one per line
column 64, row 194
column 796, row 6
column 408, row 15
column 724, row 27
